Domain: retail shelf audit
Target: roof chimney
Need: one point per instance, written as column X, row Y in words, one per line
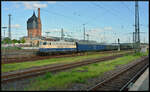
column 39, row 12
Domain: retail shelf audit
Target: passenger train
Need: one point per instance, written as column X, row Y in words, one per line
column 49, row 47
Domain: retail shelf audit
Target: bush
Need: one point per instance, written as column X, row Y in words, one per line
column 48, row 75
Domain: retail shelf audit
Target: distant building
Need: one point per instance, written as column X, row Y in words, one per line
column 34, row 26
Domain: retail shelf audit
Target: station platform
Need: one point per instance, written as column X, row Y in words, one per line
column 142, row 83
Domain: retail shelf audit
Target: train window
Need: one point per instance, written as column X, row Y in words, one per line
column 44, row 43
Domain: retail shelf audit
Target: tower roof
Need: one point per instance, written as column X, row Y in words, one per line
column 32, row 18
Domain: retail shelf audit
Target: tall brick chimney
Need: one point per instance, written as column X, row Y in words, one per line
column 38, row 12
column 39, row 24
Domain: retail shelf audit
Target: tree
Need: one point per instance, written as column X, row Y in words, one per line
column 22, row 40
column 19, row 41
column 14, row 41
column 7, row 40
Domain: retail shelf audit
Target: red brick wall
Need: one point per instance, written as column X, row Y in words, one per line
column 33, row 32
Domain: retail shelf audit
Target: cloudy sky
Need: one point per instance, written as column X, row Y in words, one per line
column 104, row 21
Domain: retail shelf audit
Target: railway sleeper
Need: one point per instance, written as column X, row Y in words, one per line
column 107, row 89
column 112, row 85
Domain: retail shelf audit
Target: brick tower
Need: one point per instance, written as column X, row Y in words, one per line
column 34, row 26
column 39, row 24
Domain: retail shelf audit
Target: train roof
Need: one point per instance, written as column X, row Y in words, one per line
column 90, row 43
column 61, row 41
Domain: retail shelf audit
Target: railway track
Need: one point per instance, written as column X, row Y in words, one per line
column 10, row 76
column 22, row 58
column 123, row 79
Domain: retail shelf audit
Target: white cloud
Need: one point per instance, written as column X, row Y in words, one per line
column 15, row 26
column 16, row 5
column 56, row 30
column 108, row 28
column 6, row 8
column 34, row 5
column 101, row 34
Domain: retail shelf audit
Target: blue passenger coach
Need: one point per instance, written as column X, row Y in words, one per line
column 89, row 47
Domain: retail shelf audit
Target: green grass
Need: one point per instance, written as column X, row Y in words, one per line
column 10, row 48
column 24, row 65
column 78, row 75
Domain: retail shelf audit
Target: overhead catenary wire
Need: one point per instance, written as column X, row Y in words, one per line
column 58, row 14
column 131, row 12
column 110, row 11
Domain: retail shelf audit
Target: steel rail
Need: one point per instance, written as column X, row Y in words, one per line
column 15, row 57
column 114, row 76
column 12, row 76
column 126, row 86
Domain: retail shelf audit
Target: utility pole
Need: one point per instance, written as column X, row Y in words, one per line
column 133, row 40
column 62, row 34
column 84, row 31
column 118, row 44
column 9, row 28
column 87, row 37
column 104, row 37
column 129, row 39
column 115, row 38
column 144, row 40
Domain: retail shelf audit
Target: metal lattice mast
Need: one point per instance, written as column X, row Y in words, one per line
column 137, row 33
column 138, row 27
